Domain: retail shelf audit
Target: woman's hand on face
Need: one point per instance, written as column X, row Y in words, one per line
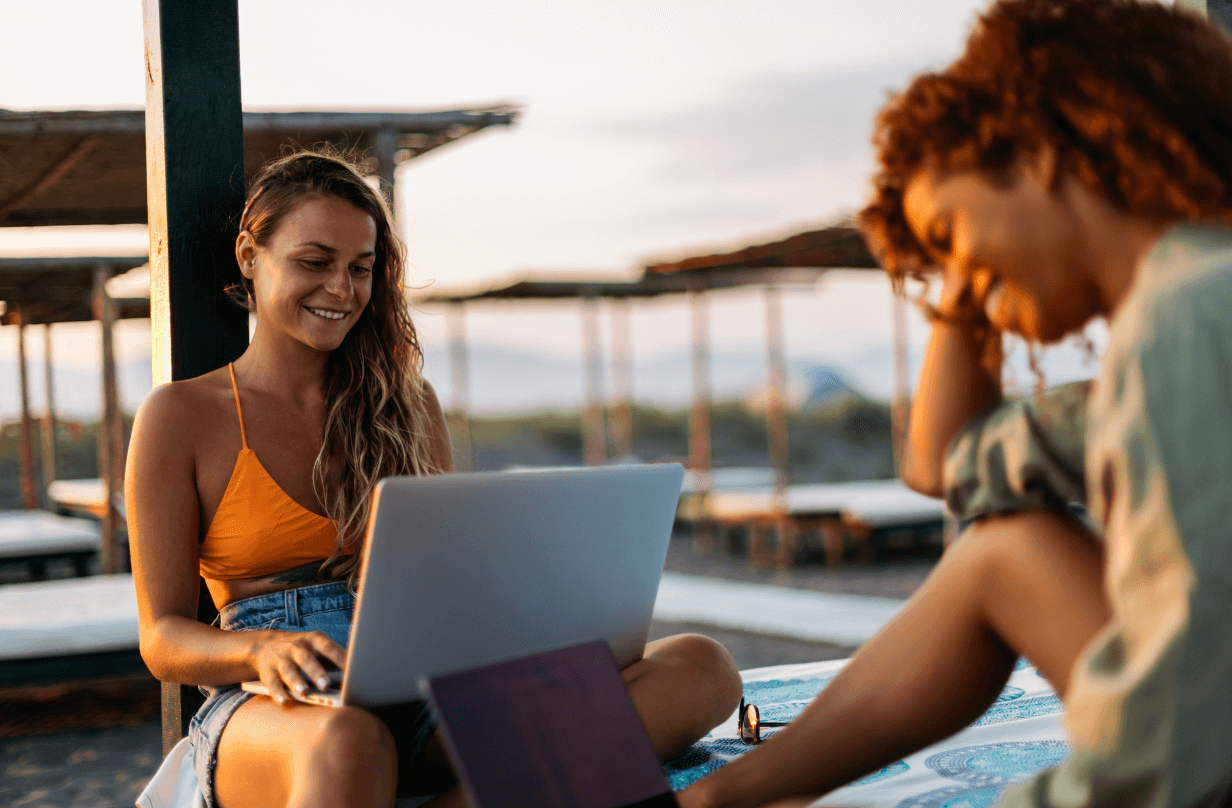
column 961, row 306
column 294, row 661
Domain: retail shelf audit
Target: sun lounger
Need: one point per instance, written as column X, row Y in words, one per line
column 1018, row 736
column 35, row 537
column 83, row 498
column 862, row 511
column 68, row 629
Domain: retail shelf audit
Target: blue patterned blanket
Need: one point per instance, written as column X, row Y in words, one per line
column 1019, row 735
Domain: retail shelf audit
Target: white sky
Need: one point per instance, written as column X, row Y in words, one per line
column 649, row 129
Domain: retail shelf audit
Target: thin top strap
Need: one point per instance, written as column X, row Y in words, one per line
column 238, row 410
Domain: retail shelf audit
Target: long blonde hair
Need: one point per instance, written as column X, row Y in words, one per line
column 375, row 423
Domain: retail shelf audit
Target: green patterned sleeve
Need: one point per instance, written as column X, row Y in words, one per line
column 1020, row 455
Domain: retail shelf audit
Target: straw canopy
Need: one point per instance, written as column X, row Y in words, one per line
column 88, row 167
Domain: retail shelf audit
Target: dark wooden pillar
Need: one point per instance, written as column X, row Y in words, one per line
column 620, row 415
column 460, row 376
column 385, row 146
column 194, row 135
column 29, row 492
column 105, row 313
column 594, row 439
column 48, row 428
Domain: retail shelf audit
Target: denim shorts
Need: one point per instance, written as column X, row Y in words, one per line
column 321, row 607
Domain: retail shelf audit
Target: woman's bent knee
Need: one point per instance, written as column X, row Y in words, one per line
column 711, row 665
column 351, row 745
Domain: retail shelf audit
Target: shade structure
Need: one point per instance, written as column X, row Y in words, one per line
column 59, row 290
column 88, row 167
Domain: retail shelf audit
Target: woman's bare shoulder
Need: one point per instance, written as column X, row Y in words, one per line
column 183, row 409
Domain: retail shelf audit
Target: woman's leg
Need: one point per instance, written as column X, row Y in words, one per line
column 302, row 755
column 683, row 687
column 1029, row 584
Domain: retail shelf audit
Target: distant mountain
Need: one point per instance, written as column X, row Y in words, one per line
column 504, row 380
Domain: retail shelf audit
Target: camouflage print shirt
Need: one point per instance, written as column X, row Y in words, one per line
column 1148, row 709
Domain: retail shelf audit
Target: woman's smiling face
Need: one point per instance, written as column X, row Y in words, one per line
column 313, row 278
column 1011, row 248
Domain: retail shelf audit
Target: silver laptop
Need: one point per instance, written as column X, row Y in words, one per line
column 465, row 570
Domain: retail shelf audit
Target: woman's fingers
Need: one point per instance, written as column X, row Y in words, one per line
column 327, row 648
column 314, row 671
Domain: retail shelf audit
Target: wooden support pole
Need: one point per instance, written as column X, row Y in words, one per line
column 901, row 406
column 460, row 375
column 29, row 494
column 699, row 413
column 594, row 439
column 194, row 136
column 105, row 313
column 620, row 415
column 385, row 146
column 776, row 391
column 48, row 428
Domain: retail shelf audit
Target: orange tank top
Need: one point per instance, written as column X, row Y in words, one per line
column 258, row 529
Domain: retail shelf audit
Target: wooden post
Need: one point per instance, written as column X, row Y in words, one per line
column 901, row 406
column 48, row 428
column 29, row 494
column 776, row 391
column 194, row 136
column 459, row 365
column 699, row 413
column 620, row 415
column 594, row 441
column 777, row 433
column 385, row 145
column 105, row 313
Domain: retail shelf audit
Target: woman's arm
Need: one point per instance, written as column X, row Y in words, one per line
column 955, row 385
column 164, row 527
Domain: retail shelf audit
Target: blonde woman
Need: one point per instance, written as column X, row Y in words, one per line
column 257, row 478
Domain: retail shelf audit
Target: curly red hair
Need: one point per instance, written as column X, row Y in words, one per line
column 1133, row 98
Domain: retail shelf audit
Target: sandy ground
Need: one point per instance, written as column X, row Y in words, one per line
column 96, row 744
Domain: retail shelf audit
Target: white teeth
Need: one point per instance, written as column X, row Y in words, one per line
column 328, row 315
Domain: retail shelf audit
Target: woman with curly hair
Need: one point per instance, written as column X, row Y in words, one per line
column 257, row 477
column 1075, row 162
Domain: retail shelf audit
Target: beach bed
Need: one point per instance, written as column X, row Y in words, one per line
column 865, row 513
column 83, row 498
column 35, row 538
column 69, row 629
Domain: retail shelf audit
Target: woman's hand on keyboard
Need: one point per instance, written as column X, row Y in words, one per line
column 288, row 661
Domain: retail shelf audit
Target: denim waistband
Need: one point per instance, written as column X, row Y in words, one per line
column 289, row 606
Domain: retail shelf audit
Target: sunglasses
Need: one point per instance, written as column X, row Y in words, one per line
column 749, row 723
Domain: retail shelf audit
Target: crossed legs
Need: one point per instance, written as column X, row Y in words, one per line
column 302, row 755
column 1029, row 584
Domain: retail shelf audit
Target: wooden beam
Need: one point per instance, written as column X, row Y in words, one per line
column 620, row 414
column 48, row 428
column 594, row 439
column 29, row 495
column 194, row 183
column 105, row 313
column 459, row 366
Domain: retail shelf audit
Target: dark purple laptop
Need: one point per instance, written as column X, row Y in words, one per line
column 554, row 730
